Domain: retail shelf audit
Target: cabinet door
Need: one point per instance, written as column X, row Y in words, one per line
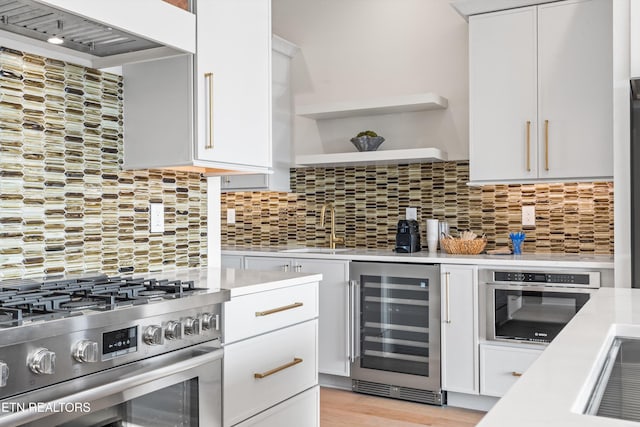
column 502, row 366
column 232, row 261
column 302, row 410
column 460, row 328
column 334, row 333
column 575, row 89
column 234, row 102
column 267, row 263
column 263, row 371
column 245, row 182
column 502, row 98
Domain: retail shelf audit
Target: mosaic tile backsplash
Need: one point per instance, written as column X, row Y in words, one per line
column 65, row 204
column 570, row 217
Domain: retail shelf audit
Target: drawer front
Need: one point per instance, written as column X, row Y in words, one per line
column 250, row 315
column 302, row 410
column 500, row 367
column 287, row 361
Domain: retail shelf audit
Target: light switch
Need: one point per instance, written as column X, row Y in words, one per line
column 231, row 216
column 156, row 217
column 411, row 213
column 528, row 215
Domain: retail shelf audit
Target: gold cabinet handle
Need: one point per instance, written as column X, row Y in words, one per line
column 209, row 77
column 516, row 374
column 279, row 309
column 447, row 275
column 295, row 361
column 528, row 146
column 546, row 145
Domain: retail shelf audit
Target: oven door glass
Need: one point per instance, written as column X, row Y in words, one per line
column 175, row 405
column 395, row 324
column 534, row 315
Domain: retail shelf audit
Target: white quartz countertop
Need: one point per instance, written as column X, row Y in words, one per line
column 525, row 260
column 239, row 282
column 556, row 388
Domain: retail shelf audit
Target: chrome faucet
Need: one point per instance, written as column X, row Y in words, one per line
column 332, row 211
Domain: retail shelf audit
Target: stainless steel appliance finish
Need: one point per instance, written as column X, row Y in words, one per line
column 39, row 21
column 532, row 306
column 126, row 347
column 616, row 393
column 395, row 340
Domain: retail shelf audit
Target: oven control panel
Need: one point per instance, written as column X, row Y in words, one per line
column 581, row 279
column 119, row 342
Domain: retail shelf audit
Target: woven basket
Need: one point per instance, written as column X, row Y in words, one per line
column 463, row 247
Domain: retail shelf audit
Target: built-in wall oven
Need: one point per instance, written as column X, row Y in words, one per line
column 395, row 324
column 532, row 306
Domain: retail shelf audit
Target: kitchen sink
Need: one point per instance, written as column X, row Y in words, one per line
column 314, row 250
column 617, row 391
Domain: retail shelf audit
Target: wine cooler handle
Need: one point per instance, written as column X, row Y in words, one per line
column 351, row 320
column 355, row 341
column 447, row 300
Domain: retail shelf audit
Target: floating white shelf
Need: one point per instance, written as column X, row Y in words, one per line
column 382, row 157
column 396, row 104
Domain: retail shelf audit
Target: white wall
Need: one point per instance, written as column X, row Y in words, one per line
column 360, row 49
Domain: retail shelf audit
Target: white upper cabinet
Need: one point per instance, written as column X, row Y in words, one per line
column 541, row 93
column 212, row 112
column 503, row 100
column 282, row 126
column 233, row 76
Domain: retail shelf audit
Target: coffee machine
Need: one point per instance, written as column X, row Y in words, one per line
column 407, row 236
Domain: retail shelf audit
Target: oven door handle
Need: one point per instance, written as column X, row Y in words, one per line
column 115, row 387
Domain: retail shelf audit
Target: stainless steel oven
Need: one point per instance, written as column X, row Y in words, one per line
column 110, row 351
column 395, row 314
column 533, row 306
column 182, row 388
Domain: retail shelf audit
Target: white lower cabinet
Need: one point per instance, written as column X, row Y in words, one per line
column 263, row 371
column 271, row 356
column 334, row 304
column 501, row 366
column 302, row 410
column 459, row 333
column 232, row 261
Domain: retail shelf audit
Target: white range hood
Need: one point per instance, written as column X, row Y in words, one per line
column 98, row 32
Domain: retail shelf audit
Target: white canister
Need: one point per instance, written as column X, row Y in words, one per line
column 432, row 234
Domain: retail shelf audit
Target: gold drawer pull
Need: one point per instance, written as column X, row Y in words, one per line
column 516, row 374
column 296, row 360
column 279, row 309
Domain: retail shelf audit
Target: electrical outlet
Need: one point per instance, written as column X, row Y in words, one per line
column 231, row 216
column 411, row 213
column 528, row 215
column 156, row 217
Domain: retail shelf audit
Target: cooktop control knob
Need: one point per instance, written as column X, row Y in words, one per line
column 42, row 361
column 191, row 326
column 210, row 321
column 173, row 330
column 153, row 335
column 4, row 373
column 85, row 351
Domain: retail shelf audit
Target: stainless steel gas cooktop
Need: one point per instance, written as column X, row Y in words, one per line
column 25, row 301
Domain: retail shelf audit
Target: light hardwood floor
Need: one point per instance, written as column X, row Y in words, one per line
column 345, row 408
